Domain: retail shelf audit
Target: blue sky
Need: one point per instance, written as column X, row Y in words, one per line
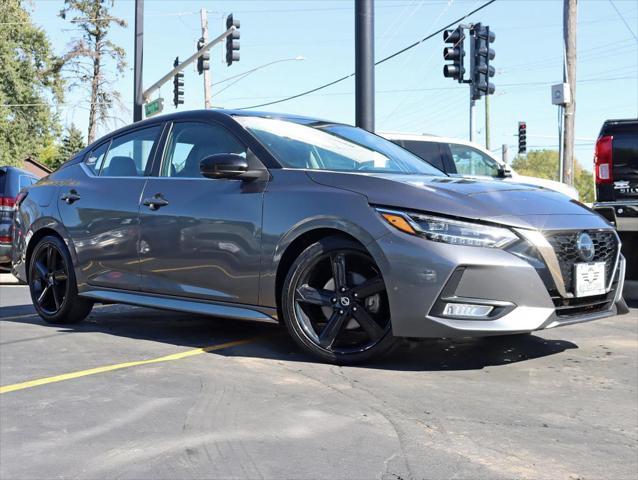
column 412, row 95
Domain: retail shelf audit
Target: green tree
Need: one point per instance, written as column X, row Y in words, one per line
column 71, row 144
column 86, row 61
column 544, row 164
column 30, row 86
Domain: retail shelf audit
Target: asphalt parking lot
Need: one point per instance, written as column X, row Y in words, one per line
column 131, row 394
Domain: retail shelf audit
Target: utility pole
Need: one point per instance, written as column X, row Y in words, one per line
column 364, row 64
column 487, row 122
column 138, row 89
column 569, row 77
column 207, row 87
column 504, row 154
column 472, row 112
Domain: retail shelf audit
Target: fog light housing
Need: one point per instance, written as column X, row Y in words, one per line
column 465, row 310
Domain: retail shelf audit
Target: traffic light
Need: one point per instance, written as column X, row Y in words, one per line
column 232, row 41
column 203, row 61
column 522, row 137
column 455, row 53
column 178, row 86
column 482, row 54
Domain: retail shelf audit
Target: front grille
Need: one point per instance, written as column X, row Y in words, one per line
column 564, row 245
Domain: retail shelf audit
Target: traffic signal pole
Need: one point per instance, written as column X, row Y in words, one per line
column 487, row 122
column 138, row 97
column 207, row 85
column 364, row 64
column 153, row 88
column 472, row 115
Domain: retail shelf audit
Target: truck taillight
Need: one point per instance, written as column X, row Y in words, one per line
column 6, row 204
column 603, row 162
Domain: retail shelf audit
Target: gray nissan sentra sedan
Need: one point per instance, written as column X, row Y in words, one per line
column 345, row 237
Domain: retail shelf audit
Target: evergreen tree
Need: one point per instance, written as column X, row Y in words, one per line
column 71, row 144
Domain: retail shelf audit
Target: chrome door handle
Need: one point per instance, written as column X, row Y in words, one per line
column 156, row 202
column 70, row 197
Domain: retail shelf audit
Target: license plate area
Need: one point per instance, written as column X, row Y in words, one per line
column 589, row 279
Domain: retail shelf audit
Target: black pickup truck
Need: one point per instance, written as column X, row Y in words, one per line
column 616, row 171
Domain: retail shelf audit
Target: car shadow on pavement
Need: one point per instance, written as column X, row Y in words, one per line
column 272, row 342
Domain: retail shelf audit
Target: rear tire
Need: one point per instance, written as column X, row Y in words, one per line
column 335, row 305
column 52, row 283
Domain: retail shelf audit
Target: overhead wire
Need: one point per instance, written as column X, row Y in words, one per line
column 624, row 20
column 379, row 62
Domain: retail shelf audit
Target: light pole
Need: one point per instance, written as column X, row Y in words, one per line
column 364, row 63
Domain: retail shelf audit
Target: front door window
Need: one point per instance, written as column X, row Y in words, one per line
column 469, row 161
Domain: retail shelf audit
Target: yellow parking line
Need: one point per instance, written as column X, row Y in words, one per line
column 118, row 366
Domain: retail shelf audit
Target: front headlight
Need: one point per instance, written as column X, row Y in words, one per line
column 446, row 230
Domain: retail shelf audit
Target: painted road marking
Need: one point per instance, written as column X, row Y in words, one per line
column 119, row 366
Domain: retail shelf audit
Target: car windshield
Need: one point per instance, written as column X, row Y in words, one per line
column 329, row 146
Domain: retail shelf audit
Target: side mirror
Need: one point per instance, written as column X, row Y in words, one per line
column 223, row 165
column 504, row 171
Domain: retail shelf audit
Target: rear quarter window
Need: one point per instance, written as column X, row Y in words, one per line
column 428, row 151
column 95, row 158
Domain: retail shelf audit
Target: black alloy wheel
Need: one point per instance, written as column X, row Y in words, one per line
column 52, row 283
column 50, row 280
column 335, row 303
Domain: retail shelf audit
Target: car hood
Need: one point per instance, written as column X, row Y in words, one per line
column 517, row 205
column 543, row 182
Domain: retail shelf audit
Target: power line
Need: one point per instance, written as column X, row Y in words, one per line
column 623, row 20
column 459, row 87
column 379, row 62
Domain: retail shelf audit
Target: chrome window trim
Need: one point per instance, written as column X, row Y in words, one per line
column 538, row 239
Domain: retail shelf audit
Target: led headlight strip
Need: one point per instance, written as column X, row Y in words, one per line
column 446, row 230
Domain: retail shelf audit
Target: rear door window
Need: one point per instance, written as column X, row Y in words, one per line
column 129, row 154
column 26, row 181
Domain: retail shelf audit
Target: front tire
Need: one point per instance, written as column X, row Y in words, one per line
column 335, row 305
column 52, row 283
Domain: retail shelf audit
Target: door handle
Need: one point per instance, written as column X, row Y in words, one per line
column 156, row 202
column 70, row 197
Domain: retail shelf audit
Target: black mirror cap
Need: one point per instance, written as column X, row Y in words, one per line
column 223, row 165
column 504, row 171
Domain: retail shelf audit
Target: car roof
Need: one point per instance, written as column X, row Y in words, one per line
column 216, row 113
column 203, row 114
column 436, row 139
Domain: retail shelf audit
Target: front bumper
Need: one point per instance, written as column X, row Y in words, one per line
column 419, row 274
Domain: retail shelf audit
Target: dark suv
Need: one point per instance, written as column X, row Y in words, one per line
column 616, row 169
column 12, row 180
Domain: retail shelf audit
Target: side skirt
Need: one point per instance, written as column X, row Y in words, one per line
column 164, row 302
